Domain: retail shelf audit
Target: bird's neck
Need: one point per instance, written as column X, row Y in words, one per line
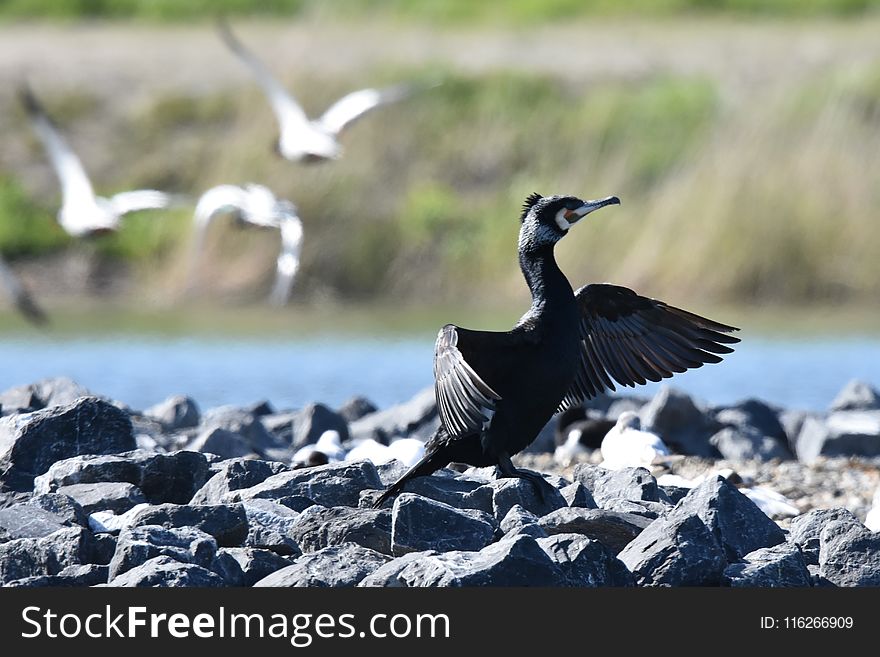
column 547, row 283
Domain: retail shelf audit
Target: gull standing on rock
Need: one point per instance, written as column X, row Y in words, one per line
column 302, row 139
column 254, row 205
column 627, row 445
column 83, row 213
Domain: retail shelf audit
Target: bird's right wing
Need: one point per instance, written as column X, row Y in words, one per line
column 288, row 259
column 632, row 339
column 139, row 199
column 75, row 183
column 20, row 296
column 211, row 203
column 354, row 105
column 465, row 402
column 285, row 107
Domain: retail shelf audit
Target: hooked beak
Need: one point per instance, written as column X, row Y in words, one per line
column 573, row 216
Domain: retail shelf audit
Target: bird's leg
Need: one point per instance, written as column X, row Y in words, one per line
column 507, row 469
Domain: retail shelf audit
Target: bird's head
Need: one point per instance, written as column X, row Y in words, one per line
column 546, row 219
column 629, row 420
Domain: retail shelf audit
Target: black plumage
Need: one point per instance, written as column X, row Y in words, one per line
column 496, row 390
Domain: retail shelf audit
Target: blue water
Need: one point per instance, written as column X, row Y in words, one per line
column 141, row 371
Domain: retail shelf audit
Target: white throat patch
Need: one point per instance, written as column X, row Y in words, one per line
column 563, row 223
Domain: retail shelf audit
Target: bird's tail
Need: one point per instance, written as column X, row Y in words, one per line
column 433, row 460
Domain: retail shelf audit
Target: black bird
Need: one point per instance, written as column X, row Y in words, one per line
column 496, row 390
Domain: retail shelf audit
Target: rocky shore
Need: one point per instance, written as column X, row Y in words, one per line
column 93, row 493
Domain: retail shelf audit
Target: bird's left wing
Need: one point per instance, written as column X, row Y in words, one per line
column 464, row 400
column 632, row 339
column 141, row 199
column 20, row 296
column 288, row 259
column 354, row 105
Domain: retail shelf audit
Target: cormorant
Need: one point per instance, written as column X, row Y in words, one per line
column 302, row 139
column 254, row 205
column 82, row 212
column 496, row 390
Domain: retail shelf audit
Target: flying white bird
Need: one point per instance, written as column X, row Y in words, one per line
column 82, row 212
column 258, row 206
column 626, row 445
column 302, row 139
column 20, row 295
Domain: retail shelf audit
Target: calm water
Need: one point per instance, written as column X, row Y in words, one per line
column 141, row 371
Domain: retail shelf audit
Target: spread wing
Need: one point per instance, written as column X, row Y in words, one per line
column 286, row 109
column 354, row 105
column 465, row 402
column 75, row 183
column 632, row 339
column 20, row 296
column 141, row 199
column 288, row 259
column 219, row 199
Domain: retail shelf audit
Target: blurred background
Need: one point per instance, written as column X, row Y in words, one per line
column 742, row 137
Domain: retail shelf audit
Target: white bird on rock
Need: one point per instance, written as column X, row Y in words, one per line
column 627, row 445
column 83, row 213
column 872, row 520
column 254, row 205
column 302, row 139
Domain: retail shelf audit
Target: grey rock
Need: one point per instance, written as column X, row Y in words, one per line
column 137, row 545
column 675, row 551
column 271, row 527
column 103, row 549
column 774, row 567
column 508, row 492
column 856, row 396
column 334, row 484
column 245, row 424
column 176, row 412
column 455, row 491
column 519, row 561
column 624, row 484
column 235, row 474
column 172, row 477
column 31, row 442
column 164, row 571
column 611, row 528
column 806, row 528
column 314, row 420
column 737, row 523
column 747, row 443
column 675, row 493
column 227, row 523
column 844, row 433
column 415, row 418
column 792, row 420
column 681, row 424
column 578, row 495
column 43, row 394
column 318, row 527
column 47, row 555
column 391, row 471
column 104, row 496
column 585, row 562
column 849, row 554
column 356, row 408
column 247, row 566
column 646, row 509
column 29, row 521
column 342, row 565
column 755, row 415
column 520, row 521
column 420, row 523
column 222, row 442
column 80, row 575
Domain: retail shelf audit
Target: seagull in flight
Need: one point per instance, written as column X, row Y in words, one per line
column 258, row 206
column 20, row 296
column 83, row 213
column 302, row 139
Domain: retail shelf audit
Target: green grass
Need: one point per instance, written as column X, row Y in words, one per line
column 458, row 12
